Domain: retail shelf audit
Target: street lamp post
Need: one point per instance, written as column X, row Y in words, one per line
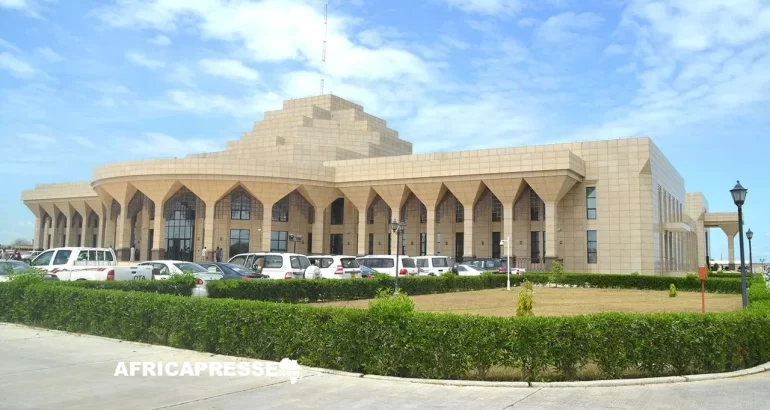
column 507, row 243
column 294, row 239
column 398, row 229
column 750, row 235
column 762, row 261
column 739, row 197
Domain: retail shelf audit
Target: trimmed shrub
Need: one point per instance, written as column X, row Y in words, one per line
column 303, row 291
column 758, row 289
column 173, row 286
column 718, row 285
column 526, row 301
column 391, row 340
column 672, row 291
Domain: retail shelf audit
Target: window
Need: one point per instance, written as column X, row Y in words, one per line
column 497, row 210
column 459, row 212
column 389, row 244
column 440, row 262
column 239, row 260
column 299, row 262
column 407, row 263
column 403, row 243
column 239, row 241
column 274, row 261
column 534, row 206
column 438, row 243
column 349, row 263
column 240, row 206
column 370, row 216
column 44, row 259
column 459, row 246
column 496, row 245
column 309, row 242
column 535, row 243
column 423, row 243
column 192, row 267
column 591, row 202
column 108, row 256
column 371, row 244
column 423, row 214
column 421, row 263
column 279, row 241
column 62, row 256
column 338, row 211
column 281, row 210
column 592, row 258
column 335, row 244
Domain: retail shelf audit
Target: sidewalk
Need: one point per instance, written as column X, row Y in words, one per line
column 48, row 369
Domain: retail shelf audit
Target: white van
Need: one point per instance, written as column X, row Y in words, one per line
column 387, row 264
column 433, row 265
column 274, row 264
column 88, row 264
column 335, row 266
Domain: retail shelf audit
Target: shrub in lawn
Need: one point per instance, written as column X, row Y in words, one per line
column 758, row 289
column 672, row 291
column 557, row 272
column 526, row 300
column 171, row 286
column 449, row 274
column 715, row 285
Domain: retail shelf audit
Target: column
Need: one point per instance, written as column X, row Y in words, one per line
column 123, row 234
column 267, row 226
column 551, row 219
column 105, row 220
column 468, row 231
column 39, row 234
column 430, row 230
column 208, row 229
column 507, row 230
column 70, row 233
column 318, row 232
column 394, row 238
column 159, row 234
column 731, row 250
column 362, row 238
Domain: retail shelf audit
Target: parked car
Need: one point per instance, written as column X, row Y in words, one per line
column 9, row 267
column 468, row 270
column 367, row 272
column 87, row 264
column 387, row 264
column 28, row 256
column 164, row 269
column 334, row 266
column 493, row 265
column 274, row 264
column 433, row 265
column 231, row 271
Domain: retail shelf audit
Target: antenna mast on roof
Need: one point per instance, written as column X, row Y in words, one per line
column 323, row 50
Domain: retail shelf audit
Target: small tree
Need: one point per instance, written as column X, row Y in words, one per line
column 672, row 291
column 526, row 300
column 557, row 273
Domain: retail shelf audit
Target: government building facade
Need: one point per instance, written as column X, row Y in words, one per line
column 323, row 176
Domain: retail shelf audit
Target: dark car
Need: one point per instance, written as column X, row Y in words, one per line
column 488, row 264
column 232, row 271
column 10, row 267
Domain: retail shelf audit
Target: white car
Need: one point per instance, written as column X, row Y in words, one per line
column 333, row 267
column 276, row 265
column 433, row 265
column 163, row 270
column 469, row 270
column 87, row 264
column 387, row 264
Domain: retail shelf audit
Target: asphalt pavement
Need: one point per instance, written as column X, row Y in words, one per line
column 42, row 369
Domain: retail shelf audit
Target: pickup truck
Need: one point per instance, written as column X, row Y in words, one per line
column 88, row 264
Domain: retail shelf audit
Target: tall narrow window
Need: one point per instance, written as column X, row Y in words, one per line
column 423, row 243
column 591, row 202
column 240, row 206
column 338, row 211
column 239, row 241
column 534, row 206
column 279, row 241
column 496, row 247
column 281, row 210
column 535, row 246
column 459, row 212
column 423, row 214
column 370, row 216
column 371, row 244
column 497, row 210
column 592, row 246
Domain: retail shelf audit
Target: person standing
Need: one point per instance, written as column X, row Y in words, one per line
column 131, row 254
column 204, row 254
column 219, row 254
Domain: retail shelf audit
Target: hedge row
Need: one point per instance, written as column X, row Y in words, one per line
column 713, row 285
column 168, row 287
column 408, row 344
column 299, row 291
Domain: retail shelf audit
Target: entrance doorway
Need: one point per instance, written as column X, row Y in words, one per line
column 180, row 226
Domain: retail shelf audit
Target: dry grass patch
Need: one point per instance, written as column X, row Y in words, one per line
column 565, row 302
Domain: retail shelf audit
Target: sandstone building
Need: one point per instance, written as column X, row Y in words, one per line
column 323, row 176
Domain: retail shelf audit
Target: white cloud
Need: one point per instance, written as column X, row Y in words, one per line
column 614, row 49
column 527, row 22
column 31, row 8
column 161, row 40
column 490, row 7
column 377, row 37
column 275, row 31
column 160, row 145
column 144, row 61
column 230, row 69
column 199, row 103
column 13, row 4
column 183, row 75
column 9, row 46
column 16, row 66
column 50, row 55
column 565, row 27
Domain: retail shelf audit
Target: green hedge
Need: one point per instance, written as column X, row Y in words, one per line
column 298, row 291
column 714, row 285
column 407, row 344
column 168, row 287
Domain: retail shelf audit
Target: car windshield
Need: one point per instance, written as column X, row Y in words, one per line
column 299, row 262
column 408, row 262
column 194, row 267
column 439, row 263
column 349, row 263
column 240, row 269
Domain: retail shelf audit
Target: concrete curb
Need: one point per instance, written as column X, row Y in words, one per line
column 458, row 383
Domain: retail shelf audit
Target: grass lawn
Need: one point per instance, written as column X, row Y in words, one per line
column 565, row 302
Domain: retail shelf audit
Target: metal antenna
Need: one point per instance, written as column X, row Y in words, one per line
column 323, row 50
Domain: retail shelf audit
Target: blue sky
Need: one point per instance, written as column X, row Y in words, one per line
column 88, row 82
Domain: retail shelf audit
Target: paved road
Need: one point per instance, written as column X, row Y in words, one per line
column 41, row 369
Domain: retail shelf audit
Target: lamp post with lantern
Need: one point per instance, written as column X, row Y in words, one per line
column 750, row 235
column 739, row 197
